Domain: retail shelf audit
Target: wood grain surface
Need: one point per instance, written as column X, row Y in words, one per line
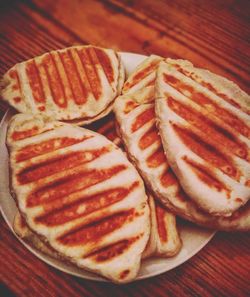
column 211, row 34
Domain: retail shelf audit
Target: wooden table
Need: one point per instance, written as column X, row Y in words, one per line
column 212, row 34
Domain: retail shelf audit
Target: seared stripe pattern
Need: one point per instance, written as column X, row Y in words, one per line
column 160, row 214
column 151, row 136
column 207, row 103
column 35, row 81
column 113, row 250
column 54, row 80
column 140, row 75
column 207, row 152
column 83, row 206
column 66, row 83
column 207, row 176
column 210, row 87
column 58, row 164
column 93, row 232
column 214, row 133
column 38, row 149
column 72, row 183
column 142, row 119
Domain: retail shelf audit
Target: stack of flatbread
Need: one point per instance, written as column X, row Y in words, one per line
column 187, row 132
column 184, row 138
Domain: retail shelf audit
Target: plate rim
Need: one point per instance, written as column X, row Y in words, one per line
column 90, row 275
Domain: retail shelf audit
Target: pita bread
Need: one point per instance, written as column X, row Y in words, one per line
column 138, row 127
column 80, row 194
column 206, row 139
column 76, row 84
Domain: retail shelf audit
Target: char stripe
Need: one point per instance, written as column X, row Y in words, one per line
column 96, row 231
column 35, row 82
column 207, row 103
column 71, row 184
column 59, row 164
column 95, row 79
column 207, row 151
column 148, row 138
column 206, row 176
column 142, row 119
column 104, row 61
column 168, row 178
column 61, row 213
column 114, row 250
column 62, row 56
column 156, row 158
column 162, row 230
column 90, row 72
column 62, row 91
column 47, row 146
column 214, row 132
column 139, row 76
column 84, row 92
column 73, row 77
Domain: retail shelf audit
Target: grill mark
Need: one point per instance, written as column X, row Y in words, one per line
column 206, row 176
column 140, row 75
column 207, row 152
column 72, row 76
column 81, row 93
column 205, row 102
column 71, row 184
column 211, row 88
column 151, row 83
column 54, row 81
column 142, row 119
column 162, row 230
column 150, row 137
column 84, row 206
column 214, row 132
column 17, row 99
column 96, row 231
column 35, row 81
column 168, row 179
column 156, row 158
column 84, row 74
column 81, row 74
column 47, row 146
column 19, row 135
column 114, row 250
column 104, row 61
column 59, row 164
column 14, row 74
column 124, row 273
column 93, row 77
column 130, row 105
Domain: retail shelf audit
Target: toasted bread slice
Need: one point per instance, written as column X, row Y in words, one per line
column 77, row 84
column 205, row 137
column 78, row 192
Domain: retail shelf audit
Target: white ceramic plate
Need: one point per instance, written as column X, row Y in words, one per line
column 194, row 238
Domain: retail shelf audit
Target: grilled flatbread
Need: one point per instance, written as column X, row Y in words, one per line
column 136, row 122
column 80, row 194
column 76, row 84
column 205, row 133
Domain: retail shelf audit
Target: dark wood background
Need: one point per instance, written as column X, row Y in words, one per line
column 212, row 34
